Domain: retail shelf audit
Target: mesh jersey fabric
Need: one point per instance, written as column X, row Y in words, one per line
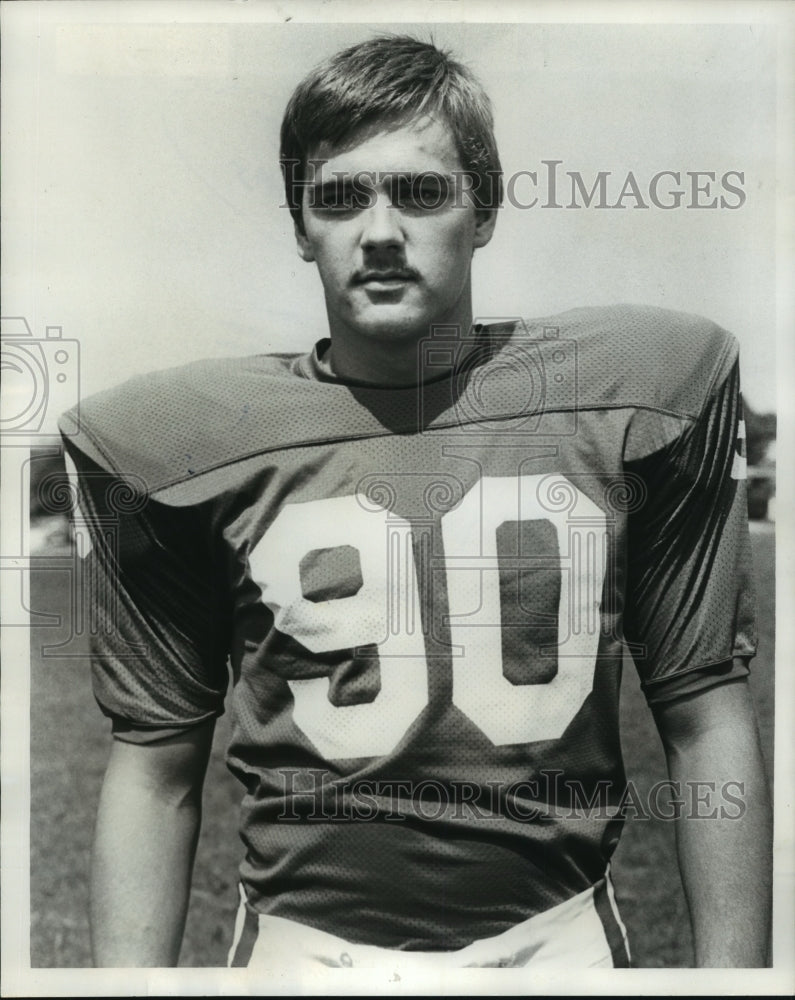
column 424, row 594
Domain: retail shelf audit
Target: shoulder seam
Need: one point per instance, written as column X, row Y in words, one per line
column 315, row 442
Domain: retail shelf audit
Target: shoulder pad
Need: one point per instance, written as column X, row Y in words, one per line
column 645, row 357
column 171, row 425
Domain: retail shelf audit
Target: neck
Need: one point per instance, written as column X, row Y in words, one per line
column 403, row 361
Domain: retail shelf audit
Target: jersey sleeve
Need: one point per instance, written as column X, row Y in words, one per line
column 690, row 606
column 160, row 629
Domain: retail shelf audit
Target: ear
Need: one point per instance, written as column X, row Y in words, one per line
column 304, row 247
column 485, row 221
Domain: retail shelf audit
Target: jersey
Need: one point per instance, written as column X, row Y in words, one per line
column 424, row 595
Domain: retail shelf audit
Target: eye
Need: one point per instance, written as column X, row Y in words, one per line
column 424, row 192
column 341, row 196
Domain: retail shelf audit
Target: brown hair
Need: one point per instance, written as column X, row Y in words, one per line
column 390, row 77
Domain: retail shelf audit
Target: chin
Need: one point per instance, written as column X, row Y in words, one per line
column 397, row 325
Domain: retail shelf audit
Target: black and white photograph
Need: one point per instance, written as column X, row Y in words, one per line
column 392, row 524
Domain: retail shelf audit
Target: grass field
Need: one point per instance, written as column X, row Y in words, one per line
column 69, row 746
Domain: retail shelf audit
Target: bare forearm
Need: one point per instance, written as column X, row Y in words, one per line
column 140, row 883
column 145, row 842
column 725, row 864
column 725, row 846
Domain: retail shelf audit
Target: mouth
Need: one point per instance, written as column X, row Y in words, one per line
column 384, row 279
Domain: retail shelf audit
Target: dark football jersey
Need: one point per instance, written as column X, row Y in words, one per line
column 424, row 594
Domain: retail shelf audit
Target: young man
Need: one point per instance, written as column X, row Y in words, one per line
column 423, row 548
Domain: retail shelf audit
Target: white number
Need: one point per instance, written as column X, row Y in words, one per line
column 367, row 617
column 506, row 712
column 385, row 611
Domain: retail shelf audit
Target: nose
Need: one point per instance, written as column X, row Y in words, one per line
column 381, row 224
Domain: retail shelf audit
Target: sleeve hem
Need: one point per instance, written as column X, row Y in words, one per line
column 127, row 731
column 698, row 679
column 650, row 682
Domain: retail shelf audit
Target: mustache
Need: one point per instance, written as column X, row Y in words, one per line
column 384, row 273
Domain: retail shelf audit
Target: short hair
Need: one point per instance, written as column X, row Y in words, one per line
column 390, row 77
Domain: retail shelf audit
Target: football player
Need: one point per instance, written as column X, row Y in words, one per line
column 423, row 548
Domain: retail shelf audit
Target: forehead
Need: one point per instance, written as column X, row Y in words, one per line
column 424, row 144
